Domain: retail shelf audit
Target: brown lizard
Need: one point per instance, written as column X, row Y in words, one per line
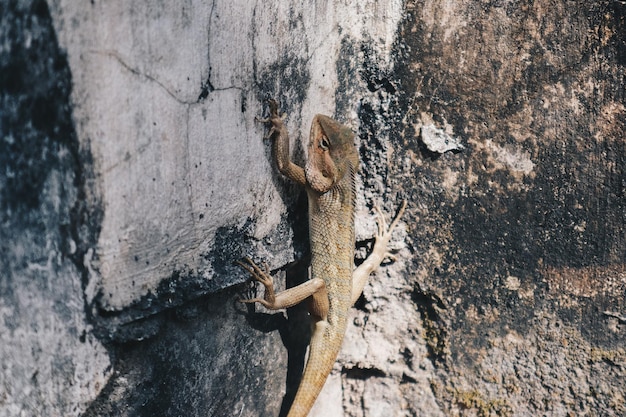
column 329, row 179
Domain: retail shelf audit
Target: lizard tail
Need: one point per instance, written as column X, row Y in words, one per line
column 323, row 349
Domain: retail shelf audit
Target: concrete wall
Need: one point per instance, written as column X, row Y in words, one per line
column 133, row 175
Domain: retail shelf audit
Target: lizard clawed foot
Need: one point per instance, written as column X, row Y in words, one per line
column 274, row 118
column 383, row 235
column 264, row 277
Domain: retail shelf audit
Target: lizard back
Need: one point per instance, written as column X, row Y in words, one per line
column 331, row 223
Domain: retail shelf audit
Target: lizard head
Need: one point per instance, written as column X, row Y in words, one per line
column 331, row 153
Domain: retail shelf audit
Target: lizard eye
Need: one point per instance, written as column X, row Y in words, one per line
column 324, row 144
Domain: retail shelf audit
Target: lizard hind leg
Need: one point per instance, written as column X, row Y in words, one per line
column 264, row 277
column 383, row 235
column 283, row 299
column 379, row 253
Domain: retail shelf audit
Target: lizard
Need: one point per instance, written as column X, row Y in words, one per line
column 329, row 179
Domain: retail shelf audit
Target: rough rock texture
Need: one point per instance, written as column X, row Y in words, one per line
column 520, row 241
column 52, row 362
column 132, row 175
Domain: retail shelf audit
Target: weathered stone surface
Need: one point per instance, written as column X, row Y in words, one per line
column 193, row 366
column 132, row 175
column 161, row 94
column 521, row 236
column 52, row 364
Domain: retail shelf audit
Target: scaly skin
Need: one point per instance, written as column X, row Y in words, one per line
column 329, row 179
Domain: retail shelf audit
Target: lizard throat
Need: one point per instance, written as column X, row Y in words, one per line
column 317, row 180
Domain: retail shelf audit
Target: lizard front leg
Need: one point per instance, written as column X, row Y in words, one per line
column 379, row 253
column 279, row 136
column 284, row 299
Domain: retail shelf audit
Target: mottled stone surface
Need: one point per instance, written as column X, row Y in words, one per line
column 520, row 237
column 52, row 363
column 132, row 175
